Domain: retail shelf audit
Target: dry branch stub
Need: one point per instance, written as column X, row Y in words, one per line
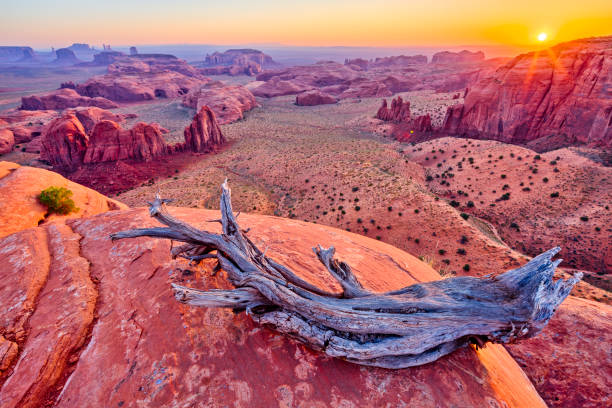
column 408, row 327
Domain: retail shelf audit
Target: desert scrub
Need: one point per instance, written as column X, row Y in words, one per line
column 57, row 200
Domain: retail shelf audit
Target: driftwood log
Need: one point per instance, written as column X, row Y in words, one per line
column 407, row 327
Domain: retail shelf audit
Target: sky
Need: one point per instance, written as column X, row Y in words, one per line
column 389, row 23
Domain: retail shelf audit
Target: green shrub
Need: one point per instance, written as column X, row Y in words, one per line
column 57, row 200
column 466, row 267
column 465, row 216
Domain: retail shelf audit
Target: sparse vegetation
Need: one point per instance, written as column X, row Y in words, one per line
column 58, row 200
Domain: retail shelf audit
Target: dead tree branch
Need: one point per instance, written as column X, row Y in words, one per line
column 407, row 327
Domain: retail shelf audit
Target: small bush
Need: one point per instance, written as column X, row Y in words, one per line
column 441, row 251
column 57, row 200
column 465, row 216
column 461, row 251
column 554, row 195
column 466, row 267
column 584, row 218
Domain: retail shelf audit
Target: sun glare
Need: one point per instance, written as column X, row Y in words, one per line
column 542, row 37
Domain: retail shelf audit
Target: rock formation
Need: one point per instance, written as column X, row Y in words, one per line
column 20, row 208
column 106, row 57
column 133, row 51
column 399, row 61
column 62, row 99
column 203, row 134
column 422, row 123
column 315, row 97
column 553, row 98
column 90, row 116
column 398, row 112
column 143, row 77
column 65, row 56
column 12, row 54
column 108, row 141
column 382, row 77
column 64, row 142
column 149, row 339
column 7, row 141
column 237, row 62
column 92, row 135
column 448, row 57
column 228, row 102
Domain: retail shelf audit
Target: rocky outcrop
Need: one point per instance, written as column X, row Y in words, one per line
column 108, row 141
column 64, row 142
column 404, row 124
column 152, row 63
column 555, row 97
column 422, row 123
column 315, row 97
column 20, row 208
column 65, row 56
column 144, row 341
column 279, row 87
column 90, row 116
column 228, row 102
column 106, row 57
column 380, row 78
column 399, row 61
column 7, row 141
column 398, row 112
column 240, row 57
column 203, row 134
column 12, row 54
column 448, row 57
column 138, row 87
column 62, row 99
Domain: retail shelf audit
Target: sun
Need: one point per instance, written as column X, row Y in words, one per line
column 542, row 37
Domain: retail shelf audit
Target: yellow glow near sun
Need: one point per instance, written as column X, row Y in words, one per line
column 542, row 37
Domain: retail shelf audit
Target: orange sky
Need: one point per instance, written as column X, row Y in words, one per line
column 398, row 23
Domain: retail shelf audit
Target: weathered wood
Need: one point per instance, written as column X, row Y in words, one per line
column 402, row 328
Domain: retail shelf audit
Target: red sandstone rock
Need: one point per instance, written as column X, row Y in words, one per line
column 203, row 134
column 137, row 87
column 65, row 56
column 277, row 87
column 152, row 63
column 25, row 117
column 570, row 362
column 20, row 208
column 237, row 62
column 109, row 142
column 24, row 134
column 62, row 99
column 228, row 102
column 384, row 78
column 448, row 57
column 555, row 97
column 64, row 142
column 399, row 111
column 7, row 141
column 315, row 97
column 90, row 116
column 399, row 61
column 155, row 351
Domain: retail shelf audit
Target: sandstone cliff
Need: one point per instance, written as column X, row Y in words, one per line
column 549, row 98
